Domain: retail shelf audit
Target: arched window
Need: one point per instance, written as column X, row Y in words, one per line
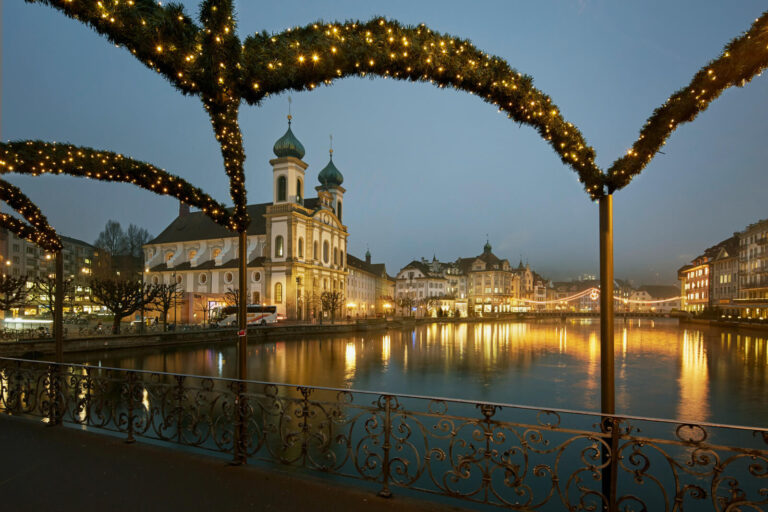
column 278, row 293
column 343, row 263
column 298, row 192
column 325, row 252
column 335, row 256
column 338, row 210
column 278, row 246
column 301, row 247
column 281, row 188
column 315, row 254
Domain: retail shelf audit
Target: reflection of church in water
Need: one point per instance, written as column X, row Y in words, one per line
column 297, row 246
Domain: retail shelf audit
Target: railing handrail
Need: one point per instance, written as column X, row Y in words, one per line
column 404, row 395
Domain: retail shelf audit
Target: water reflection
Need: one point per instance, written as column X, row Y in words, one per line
column 661, row 369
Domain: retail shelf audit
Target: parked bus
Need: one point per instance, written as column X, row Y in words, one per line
column 257, row 315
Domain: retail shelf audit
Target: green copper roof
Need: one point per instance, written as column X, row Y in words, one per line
column 330, row 175
column 487, row 247
column 288, row 145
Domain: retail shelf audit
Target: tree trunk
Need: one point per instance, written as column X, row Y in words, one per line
column 116, row 324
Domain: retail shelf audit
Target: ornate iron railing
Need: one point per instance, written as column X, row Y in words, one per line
column 516, row 457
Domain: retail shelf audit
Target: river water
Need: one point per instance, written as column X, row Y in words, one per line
column 662, row 369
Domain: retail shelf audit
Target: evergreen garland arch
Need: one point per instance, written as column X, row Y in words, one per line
column 38, row 231
column 38, row 157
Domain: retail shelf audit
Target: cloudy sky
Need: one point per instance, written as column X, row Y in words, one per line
column 427, row 171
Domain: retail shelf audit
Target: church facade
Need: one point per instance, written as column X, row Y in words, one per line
column 297, row 246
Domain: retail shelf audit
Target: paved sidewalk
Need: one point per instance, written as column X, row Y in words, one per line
column 61, row 469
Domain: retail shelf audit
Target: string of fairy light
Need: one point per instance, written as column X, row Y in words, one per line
column 211, row 62
column 742, row 59
column 594, row 294
column 38, row 231
column 37, row 157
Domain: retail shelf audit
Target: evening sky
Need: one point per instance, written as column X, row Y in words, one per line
column 427, row 171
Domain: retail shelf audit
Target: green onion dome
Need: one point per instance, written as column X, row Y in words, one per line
column 288, row 145
column 330, row 175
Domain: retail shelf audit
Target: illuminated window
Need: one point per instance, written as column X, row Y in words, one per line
column 278, row 293
column 278, row 246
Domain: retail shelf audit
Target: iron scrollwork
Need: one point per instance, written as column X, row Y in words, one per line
column 514, row 457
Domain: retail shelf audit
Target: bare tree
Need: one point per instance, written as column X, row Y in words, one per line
column 121, row 297
column 405, row 303
column 205, row 308
column 232, row 296
column 135, row 237
column 428, row 303
column 44, row 292
column 13, row 292
column 166, row 296
column 112, row 239
column 332, row 301
column 313, row 303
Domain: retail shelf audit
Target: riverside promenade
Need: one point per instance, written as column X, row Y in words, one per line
column 61, row 468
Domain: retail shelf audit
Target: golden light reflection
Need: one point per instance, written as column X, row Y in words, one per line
column 694, row 378
column 385, row 347
column 145, row 399
column 350, row 355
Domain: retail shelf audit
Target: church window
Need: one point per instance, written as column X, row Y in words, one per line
column 325, row 252
column 256, row 276
column 315, row 254
column 338, row 210
column 228, row 277
column 298, row 192
column 278, row 246
column 301, row 247
column 335, row 256
column 155, row 280
column 341, row 254
column 281, row 188
column 202, row 278
column 278, row 293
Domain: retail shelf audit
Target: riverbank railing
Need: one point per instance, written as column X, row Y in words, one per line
column 516, row 457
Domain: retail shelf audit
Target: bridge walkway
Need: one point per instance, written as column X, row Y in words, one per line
column 62, row 468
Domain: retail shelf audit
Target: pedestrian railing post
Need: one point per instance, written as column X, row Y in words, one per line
column 385, row 468
column 130, row 383
column 610, row 459
column 238, row 448
column 54, row 415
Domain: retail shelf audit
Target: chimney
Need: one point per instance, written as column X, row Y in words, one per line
column 183, row 209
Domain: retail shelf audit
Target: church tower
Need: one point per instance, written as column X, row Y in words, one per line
column 288, row 169
column 330, row 181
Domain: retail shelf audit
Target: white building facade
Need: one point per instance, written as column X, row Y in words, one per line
column 297, row 247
